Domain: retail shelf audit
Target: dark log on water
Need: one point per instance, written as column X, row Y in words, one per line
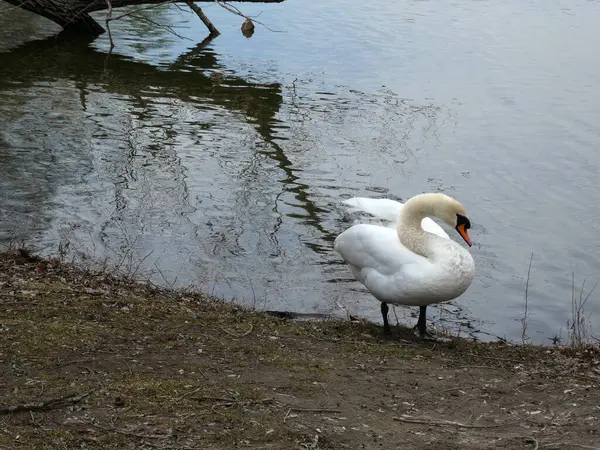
column 73, row 15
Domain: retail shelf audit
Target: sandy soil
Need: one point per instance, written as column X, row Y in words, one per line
column 91, row 361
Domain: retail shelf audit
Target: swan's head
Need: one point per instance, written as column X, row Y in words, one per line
column 437, row 205
column 454, row 214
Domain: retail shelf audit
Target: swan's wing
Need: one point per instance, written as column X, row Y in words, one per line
column 390, row 271
column 430, row 226
column 388, row 211
column 382, row 208
column 376, row 247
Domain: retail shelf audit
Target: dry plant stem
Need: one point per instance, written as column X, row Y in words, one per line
column 578, row 333
column 317, row 410
column 205, row 20
column 230, row 402
column 186, row 394
column 525, row 312
column 53, row 403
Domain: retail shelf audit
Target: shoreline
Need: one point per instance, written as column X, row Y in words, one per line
column 98, row 361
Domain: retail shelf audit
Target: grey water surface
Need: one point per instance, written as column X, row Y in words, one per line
column 221, row 164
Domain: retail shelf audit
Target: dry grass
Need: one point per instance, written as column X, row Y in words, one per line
column 94, row 361
column 578, row 325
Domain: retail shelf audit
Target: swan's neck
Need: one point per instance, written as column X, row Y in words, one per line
column 410, row 232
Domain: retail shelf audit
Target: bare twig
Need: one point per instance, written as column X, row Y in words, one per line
column 135, row 11
column 234, row 10
column 164, row 27
column 137, row 267
column 47, row 405
column 215, row 399
column 589, row 293
column 449, row 422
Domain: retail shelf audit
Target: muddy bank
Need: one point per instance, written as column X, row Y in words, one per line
column 90, row 360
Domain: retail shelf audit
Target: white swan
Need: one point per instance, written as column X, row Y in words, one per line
column 410, row 261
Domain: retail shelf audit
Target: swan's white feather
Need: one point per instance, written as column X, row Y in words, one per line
column 396, row 274
column 388, row 210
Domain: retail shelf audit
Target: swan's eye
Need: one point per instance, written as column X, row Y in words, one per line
column 462, row 220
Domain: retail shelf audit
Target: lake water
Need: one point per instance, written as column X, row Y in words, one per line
column 222, row 164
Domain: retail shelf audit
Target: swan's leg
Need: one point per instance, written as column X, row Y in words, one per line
column 422, row 322
column 384, row 312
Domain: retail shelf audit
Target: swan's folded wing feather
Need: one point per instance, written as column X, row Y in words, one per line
column 430, row 226
column 389, row 210
column 371, row 246
column 382, row 208
column 390, row 271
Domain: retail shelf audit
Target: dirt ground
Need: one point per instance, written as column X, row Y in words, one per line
column 91, row 361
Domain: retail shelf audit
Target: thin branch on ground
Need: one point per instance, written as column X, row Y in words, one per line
column 562, row 445
column 316, row 410
column 449, row 422
column 130, row 433
column 215, row 399
column 231, row 333
column 231, row 402
column 47, row 405
column 186, row 394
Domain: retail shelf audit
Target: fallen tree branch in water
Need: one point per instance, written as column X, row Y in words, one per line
column 74, row 15
column 205, row 20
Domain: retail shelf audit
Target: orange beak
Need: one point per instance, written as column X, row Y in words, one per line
column 463, row 232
